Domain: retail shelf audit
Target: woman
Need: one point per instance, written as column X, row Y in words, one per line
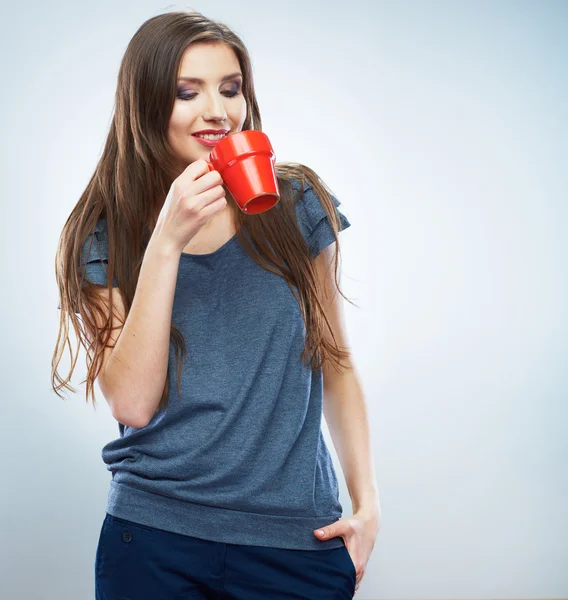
column 221, row 483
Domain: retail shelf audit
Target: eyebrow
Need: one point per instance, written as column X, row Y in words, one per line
column 197, row 80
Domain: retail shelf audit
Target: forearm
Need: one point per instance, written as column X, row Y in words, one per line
column 345, row 412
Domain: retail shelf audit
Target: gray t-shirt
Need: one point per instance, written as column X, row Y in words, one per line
column 240, row 456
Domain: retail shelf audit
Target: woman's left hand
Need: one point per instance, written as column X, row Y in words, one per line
column 359, row 533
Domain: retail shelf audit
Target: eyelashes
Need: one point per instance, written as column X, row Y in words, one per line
column 182, row 96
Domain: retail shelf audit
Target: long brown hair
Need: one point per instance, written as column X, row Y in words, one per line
column 137, row 167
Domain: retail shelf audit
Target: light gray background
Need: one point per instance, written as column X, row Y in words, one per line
column 442, row 127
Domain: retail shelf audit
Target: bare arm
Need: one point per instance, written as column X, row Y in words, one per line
column 134, row 372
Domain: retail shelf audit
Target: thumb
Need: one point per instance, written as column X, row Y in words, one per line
column 330, row 531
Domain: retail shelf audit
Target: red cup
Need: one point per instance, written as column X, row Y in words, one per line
column 245, row 161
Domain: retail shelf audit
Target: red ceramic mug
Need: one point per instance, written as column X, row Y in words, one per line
column 245, row 161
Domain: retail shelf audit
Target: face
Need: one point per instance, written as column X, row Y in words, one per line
column 212, row 103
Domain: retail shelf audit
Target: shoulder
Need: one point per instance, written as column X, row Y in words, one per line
column 94, row 254
column 312, row 217
column 95, row 245
column 307, row 202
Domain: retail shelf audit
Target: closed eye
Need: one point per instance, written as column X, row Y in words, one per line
column 191, row 96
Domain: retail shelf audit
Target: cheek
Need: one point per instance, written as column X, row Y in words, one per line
column 182, row 116
column 239, row 113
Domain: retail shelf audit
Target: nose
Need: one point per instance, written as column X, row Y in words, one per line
column 216, row 109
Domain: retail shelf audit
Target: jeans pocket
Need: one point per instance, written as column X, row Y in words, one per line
column 120, row 541
column 351, row 566
column 125, row 525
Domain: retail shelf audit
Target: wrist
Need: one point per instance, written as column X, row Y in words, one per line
column 370, row 511
column 162, row 248
column 367, row 504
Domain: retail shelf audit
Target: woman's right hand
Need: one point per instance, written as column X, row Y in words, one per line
column 194, row 197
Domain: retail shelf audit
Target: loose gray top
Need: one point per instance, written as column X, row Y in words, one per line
column 240, row 456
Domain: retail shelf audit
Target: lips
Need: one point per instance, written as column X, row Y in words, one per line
column 212, row 131
column 209, row 143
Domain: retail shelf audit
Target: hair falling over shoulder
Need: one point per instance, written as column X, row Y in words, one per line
column 136, row 168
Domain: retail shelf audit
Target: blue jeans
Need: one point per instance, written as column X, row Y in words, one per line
column 138, row 562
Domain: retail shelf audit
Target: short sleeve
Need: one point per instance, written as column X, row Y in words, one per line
column 313, row 220
column 94, row 257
